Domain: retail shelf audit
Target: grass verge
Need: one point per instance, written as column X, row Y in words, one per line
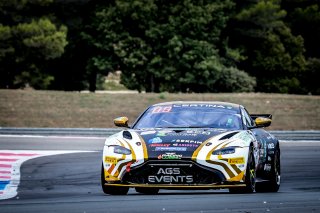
column 28, row 108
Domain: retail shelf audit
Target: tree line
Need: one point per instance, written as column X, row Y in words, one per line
column 162, row 45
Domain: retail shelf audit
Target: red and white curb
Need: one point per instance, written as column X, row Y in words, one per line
column 10, row 163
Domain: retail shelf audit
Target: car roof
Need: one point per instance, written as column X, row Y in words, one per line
column 226, row 104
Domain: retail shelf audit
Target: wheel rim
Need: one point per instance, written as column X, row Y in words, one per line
column 252, row 173
column 277, row 169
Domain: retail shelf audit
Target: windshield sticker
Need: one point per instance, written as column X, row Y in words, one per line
column 169, row 149
column 161, row 109
column 155, row 140
column 202, row 105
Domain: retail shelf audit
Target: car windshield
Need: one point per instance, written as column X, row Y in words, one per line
column 190, row 116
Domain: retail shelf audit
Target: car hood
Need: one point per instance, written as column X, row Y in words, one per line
column 178, row 143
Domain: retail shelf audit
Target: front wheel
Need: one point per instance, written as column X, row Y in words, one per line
column 112, row 190
column 273, row 184
column 250, row 176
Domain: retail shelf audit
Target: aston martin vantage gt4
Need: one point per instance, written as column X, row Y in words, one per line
column 192, row 145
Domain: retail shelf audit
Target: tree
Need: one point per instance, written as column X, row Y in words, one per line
column 162, row 45
column 28, row 43
column 304, row 19
column 273, row 54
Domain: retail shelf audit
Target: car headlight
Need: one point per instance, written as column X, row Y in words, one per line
column 225, row 151
column 121, row 150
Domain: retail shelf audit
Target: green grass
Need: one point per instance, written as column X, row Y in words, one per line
column 28, row 108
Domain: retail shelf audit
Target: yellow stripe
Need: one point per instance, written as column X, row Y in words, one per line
column 116, row 174
column 238, row 171
column 233, row 166
column 225, row 167
column 195, row 153
column 219, row 156
column 213, row 149
column 230, row 173
column 144, row 146
column 132, row 150
column 132, row 160
column 238, row 177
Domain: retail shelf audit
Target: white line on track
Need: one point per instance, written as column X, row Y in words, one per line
column 299, row 141
column 51, row 136
column 10, row 163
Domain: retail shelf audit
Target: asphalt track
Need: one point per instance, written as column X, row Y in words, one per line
column 70, row 183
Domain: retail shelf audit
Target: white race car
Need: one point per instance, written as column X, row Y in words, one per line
column 192, row 145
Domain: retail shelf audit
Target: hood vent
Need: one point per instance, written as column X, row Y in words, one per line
column 227, row 136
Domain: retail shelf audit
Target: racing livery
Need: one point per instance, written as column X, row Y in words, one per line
column 192, row 145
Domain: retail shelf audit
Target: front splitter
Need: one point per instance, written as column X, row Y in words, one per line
column 167, row 186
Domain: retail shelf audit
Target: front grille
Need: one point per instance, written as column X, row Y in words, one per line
column 173, row 172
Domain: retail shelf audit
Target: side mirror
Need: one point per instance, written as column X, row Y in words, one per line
column 262, row 122
column 121, row 122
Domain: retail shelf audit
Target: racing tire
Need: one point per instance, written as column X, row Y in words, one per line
column 250, row 177
column 148, row 191
column 112, row 190
column 273, row 184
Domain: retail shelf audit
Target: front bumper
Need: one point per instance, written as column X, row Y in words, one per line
column 172, row 174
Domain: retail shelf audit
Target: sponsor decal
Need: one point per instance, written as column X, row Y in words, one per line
column 170, row 175
column 155, row 140
column 185, row 145
column 171, row 149
column 267, row 167
column 161, row 134
column 236, row 160
column 243, row 136
column 147, row 132
column 159, row 145
column 186, row 141
column 270, row 145
column 169, row 156
column 111, row 160
column 188, row 133
column 181, row 134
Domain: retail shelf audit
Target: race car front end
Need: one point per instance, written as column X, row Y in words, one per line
column 184, row 159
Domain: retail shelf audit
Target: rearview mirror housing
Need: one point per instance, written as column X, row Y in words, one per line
column 262, row 122
column 121, row 122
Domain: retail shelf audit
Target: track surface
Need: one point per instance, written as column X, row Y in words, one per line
column 70, row 183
